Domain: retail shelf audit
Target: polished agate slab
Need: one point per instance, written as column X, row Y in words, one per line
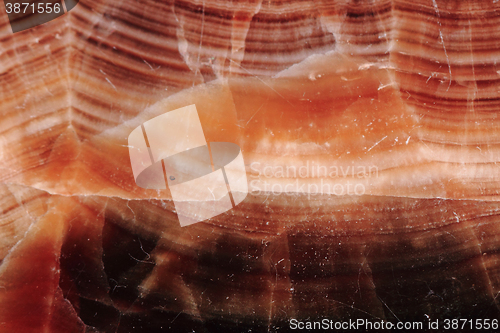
column 369, row 134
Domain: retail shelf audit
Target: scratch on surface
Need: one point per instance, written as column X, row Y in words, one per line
column 442, row 41
column 386, row 85
column 473, row 69
column 201, row 31
column 254, row 114
column 147, row 63
column 258, row 78
column 111, row 83
column 183, row 46
column 152, row 68
column 211, row 192
column 270, row 318
column 176, row 317
column 376, row 143
column 388, row 308
column 359, row 276
column 388, row 40
column 266, row 199
column 484, row 266
column 135, row 218
column 142, row 249
column 119, row 321
column 139, row 260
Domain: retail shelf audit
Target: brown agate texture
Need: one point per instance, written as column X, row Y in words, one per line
column 397, row 100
